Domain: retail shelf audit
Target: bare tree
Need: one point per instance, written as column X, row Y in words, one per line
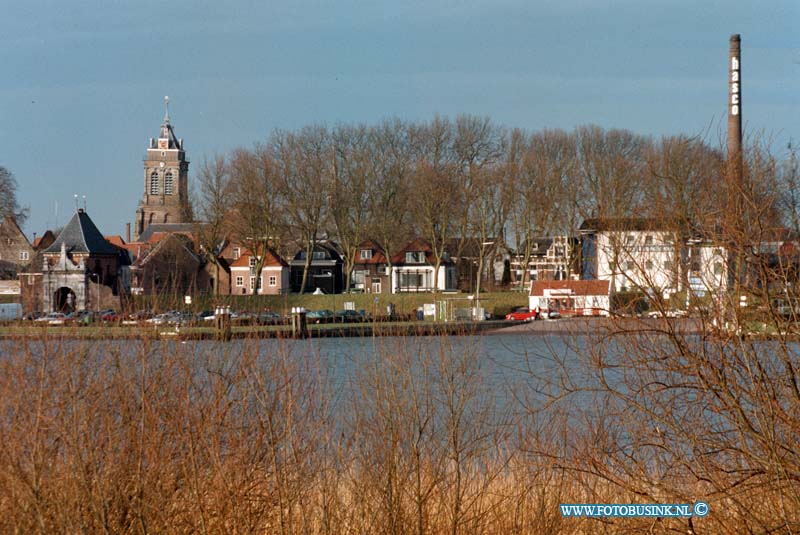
column 438, row 193
column 353, row 176
column 215, row 202
column 8, row 197
column 611, row 166
column 256, row 218
column 389, row 194
column 305, row 172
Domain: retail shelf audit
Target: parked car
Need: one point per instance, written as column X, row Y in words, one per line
column 551, row 314
column 53, row 318
column 666, row 314
column 206, row 315
column 269, row 318
column 160, row 319
column 110, row 316
column 349, row 316
column 522, row 314
column 319, row 316
column 83, row 317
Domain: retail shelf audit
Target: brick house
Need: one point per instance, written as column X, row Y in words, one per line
column 15, row 249
column 370, row 270
column 273, row 280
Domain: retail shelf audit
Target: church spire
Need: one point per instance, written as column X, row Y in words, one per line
column 166, row 104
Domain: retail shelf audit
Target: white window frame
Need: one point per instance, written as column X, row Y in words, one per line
column 239, row 280
column 273, row 280
column 23, row 255
column 366, row 254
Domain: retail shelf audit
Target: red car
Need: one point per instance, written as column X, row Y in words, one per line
column 522, row 314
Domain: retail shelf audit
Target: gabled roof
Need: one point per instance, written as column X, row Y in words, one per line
column 154, row 251
column 329, row 247
column 166, row 228
column 44, row 241
column 9, row 227
column 581, row 287
column 80, row 235
column 418, row 245
column 378, row 254
column 271, row 259
column 116, row 240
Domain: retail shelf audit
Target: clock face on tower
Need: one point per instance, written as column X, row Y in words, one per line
column 163, row 143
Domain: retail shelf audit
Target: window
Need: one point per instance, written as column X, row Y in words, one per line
column 273, row 280
column 360, row 276
column 237, row 252
column 168, row 183
column 252, row 283
column 252, row 262
column 9, row 241
column 382, row 270
column 667, row 264
column 648, row 265
column 318, row 255
column 23, row 255
column 628, row 266
column 239, row 280
column 629, row 239
column 612, row 265
column 412, row 280
column 717, row 268
column 648, row 240
column 415, row 257
column 366, row 254
column 154, row 185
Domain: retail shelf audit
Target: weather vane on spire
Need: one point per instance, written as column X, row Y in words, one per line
column 166, row 101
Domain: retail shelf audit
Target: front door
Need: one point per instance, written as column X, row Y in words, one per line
column 376, row 286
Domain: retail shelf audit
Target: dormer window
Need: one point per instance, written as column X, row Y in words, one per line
column 415, row 257
column 168, row 183
column 154, row 185
column 237, row 252
column 366, row 254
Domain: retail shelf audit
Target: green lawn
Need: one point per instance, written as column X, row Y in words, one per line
column 497, row 303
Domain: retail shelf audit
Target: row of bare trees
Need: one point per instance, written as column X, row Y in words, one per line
column 465, row 179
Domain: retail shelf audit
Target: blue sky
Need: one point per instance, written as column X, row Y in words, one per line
column 84, row 81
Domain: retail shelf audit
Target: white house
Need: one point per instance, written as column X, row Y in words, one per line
column 413, row 270
column 571, row 298
column 633, row 254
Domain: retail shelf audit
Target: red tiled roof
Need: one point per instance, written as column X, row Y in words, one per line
column 378, row 256
column 271, row 259
column 582, row 287
column 115, row 240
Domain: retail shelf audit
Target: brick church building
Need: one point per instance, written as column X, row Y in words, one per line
column 166, row 177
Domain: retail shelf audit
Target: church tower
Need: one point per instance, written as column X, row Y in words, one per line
column 166, row 177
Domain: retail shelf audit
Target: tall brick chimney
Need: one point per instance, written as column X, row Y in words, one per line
column 735, row 107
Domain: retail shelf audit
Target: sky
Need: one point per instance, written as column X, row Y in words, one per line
column 84, row 81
